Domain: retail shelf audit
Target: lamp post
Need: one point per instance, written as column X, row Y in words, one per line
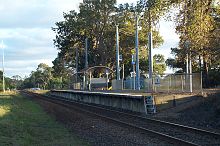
column 117, row 54
column 3, row 71
column 86, row 53
column 133, row 73
column 137, row 54
column 150, row 58
column 189, row 64
column 77, row 60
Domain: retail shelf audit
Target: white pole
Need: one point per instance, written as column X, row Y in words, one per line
column 187, row 63
column 90, row 77
column 86, row 53
column 3, row 74
column 150, row 58
column 137, row 55
column 190, row 72
column 134, row 75
column 187, row 70
column 117, row 54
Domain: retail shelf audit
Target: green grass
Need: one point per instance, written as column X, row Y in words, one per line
column 24, row 123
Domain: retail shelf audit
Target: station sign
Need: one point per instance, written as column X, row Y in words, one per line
column 132, row 74
column 157, row 80
column 133, row 59
column 150, row 107
column 120, row 57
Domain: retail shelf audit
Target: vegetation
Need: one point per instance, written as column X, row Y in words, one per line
column 10, row 83
column 23, row 122
column 40, row 78
column 99, row 28
column 198, row 25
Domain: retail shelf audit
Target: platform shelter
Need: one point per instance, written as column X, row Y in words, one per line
column 93, row 78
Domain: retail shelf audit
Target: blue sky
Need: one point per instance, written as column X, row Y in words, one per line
column 25, row 28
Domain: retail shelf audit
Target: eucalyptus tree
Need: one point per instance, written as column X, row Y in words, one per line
column 150, row 12
column 16, row 81
column 42, row 75
column 91, row 22
column 95, row 21
column 197, row 24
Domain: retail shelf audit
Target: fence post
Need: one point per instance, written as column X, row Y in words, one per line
column 168, row 85
column 182, row 82
column 175, row 83
column 174, row 101
column 201, row 82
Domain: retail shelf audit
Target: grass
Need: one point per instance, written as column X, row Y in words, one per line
column 23, row 122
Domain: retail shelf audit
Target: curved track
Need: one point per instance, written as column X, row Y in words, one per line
column 176, row 133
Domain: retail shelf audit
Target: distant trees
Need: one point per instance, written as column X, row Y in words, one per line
column 40, row 78
column 44, row 77
column 10, row 83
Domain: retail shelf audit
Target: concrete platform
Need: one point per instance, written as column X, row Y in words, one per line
column 127, row 100
column 124, row 101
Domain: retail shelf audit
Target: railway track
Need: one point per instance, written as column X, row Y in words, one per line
column 176, row 133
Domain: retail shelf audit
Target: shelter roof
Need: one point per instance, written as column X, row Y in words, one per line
column 103, row 69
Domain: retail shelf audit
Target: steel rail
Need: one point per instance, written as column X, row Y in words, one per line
column 198, row 130
column 168, row 137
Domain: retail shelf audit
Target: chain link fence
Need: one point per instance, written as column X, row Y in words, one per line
column 168, row 83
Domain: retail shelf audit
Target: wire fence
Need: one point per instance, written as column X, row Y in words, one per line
column 168, row 83
column 175, row 83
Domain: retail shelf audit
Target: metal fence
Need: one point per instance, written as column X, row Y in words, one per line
column 168, row 83
column 175, row 83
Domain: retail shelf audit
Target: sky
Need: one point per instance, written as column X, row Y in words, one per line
column 25, row 28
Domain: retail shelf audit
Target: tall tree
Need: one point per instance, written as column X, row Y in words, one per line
column 96, row 21
column 197, row 25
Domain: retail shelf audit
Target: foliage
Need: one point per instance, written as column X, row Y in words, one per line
column 197, row 23
column 96, row 21
column 40, row 78
column 10, row 83
column 159, row 65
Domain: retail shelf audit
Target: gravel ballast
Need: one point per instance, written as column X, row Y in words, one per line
column 97, row 131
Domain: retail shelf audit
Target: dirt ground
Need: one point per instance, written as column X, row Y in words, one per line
column 202, row 113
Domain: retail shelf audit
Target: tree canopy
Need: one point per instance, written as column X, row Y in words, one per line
column 197, row 23
column 96, row 21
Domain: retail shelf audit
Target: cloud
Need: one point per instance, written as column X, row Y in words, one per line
column 33, row 13
column 171, row 39
column 29, row 43
column 22, row 67
column 26, row 30
column 26, row 48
